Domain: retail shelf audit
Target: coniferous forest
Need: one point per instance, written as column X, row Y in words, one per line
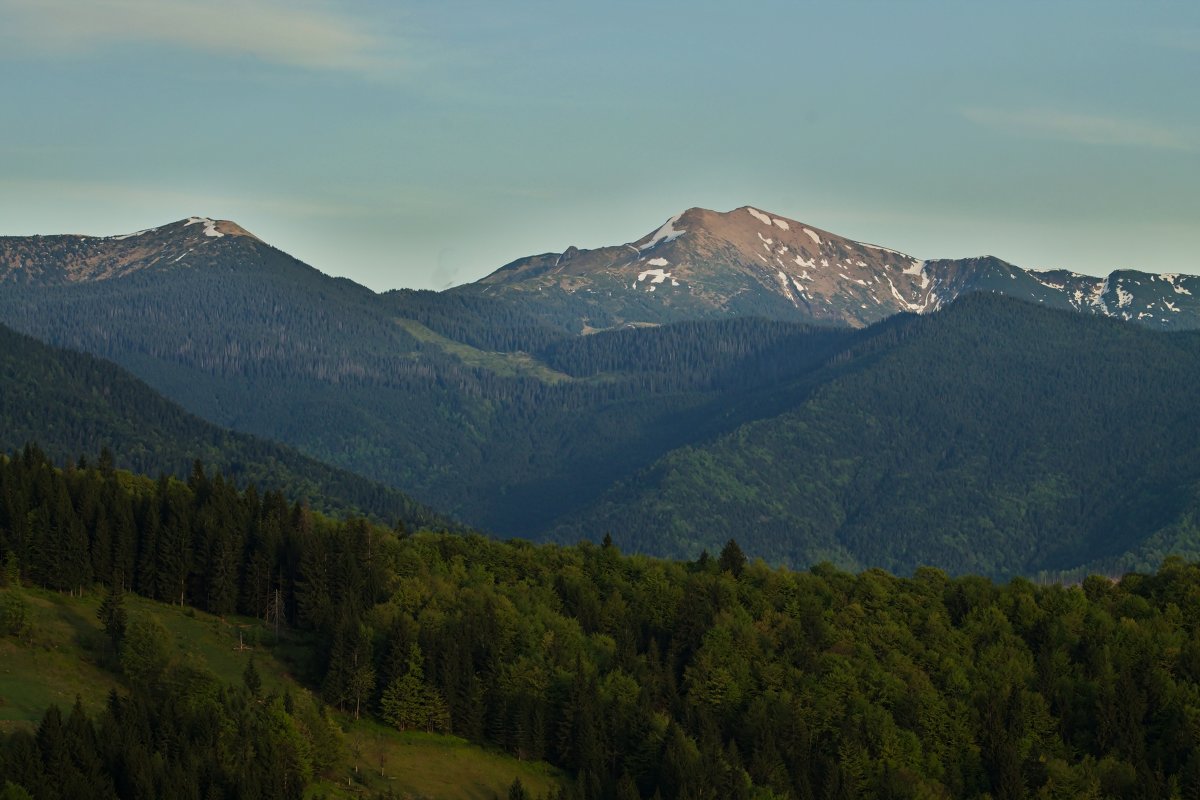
column 640, row 678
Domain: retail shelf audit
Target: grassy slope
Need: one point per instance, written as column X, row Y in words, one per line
column 67, row 657
column 506, row 365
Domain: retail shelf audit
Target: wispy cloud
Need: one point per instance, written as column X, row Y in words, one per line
column 293, row 33
column 1081, row 128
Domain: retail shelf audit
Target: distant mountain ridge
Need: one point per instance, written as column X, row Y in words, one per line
column 704, row 264
column 699, row 264
column 675, row 434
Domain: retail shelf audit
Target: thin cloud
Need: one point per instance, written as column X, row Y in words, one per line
column 1080, row 128
column 292, row 34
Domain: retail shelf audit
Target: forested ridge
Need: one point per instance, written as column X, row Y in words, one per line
column 994, row 437
column 72, row 403
column 264, row 344
column 715, row 678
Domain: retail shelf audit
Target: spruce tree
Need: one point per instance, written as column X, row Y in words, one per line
column 112, row 615
column 102, row 548
column 251, row 678
column 361, row 685
column 732, row 558
column 517, row 790
column 12, row 570
column 409, row 703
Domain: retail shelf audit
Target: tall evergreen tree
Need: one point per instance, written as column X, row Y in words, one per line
column 112, row 614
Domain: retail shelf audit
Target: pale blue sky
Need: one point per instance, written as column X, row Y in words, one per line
column 423, row 144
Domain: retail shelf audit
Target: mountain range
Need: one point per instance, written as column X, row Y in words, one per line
column 746, row 376
column 704, row 264
column 699, row 264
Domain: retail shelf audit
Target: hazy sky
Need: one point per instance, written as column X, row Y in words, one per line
column 428, row 143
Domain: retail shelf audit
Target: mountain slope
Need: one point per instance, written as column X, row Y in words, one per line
column 259, row 342
column 73, row 404
column 994, row 436
column 703, row 264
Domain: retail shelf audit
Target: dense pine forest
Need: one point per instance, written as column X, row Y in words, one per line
column 719, row 677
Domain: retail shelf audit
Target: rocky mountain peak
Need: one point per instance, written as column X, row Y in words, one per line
column 701, row 263
column 704, row 263
column 63, row 259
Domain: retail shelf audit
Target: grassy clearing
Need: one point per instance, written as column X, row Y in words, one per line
column 423, row 765
column 506, row 364
column 67, row 655
column 61, row 659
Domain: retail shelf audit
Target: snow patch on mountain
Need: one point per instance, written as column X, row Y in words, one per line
column 813, row 235
column 758, row 215
column 655, row 275
column 125, row 236
column 883, row 249
column 917, row 269
column 1048, row 284
column 787, row 290
column 916, row 308
column 667, row 233
column 210, row 226
column 1097, row 298
column 1173, row 279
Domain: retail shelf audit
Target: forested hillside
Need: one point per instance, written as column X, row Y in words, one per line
column 716, row 678
column 271, row 347
column 993, row 437
column 74, row 404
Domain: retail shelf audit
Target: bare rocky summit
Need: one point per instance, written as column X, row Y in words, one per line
column 703, row 264
column 68, row 258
